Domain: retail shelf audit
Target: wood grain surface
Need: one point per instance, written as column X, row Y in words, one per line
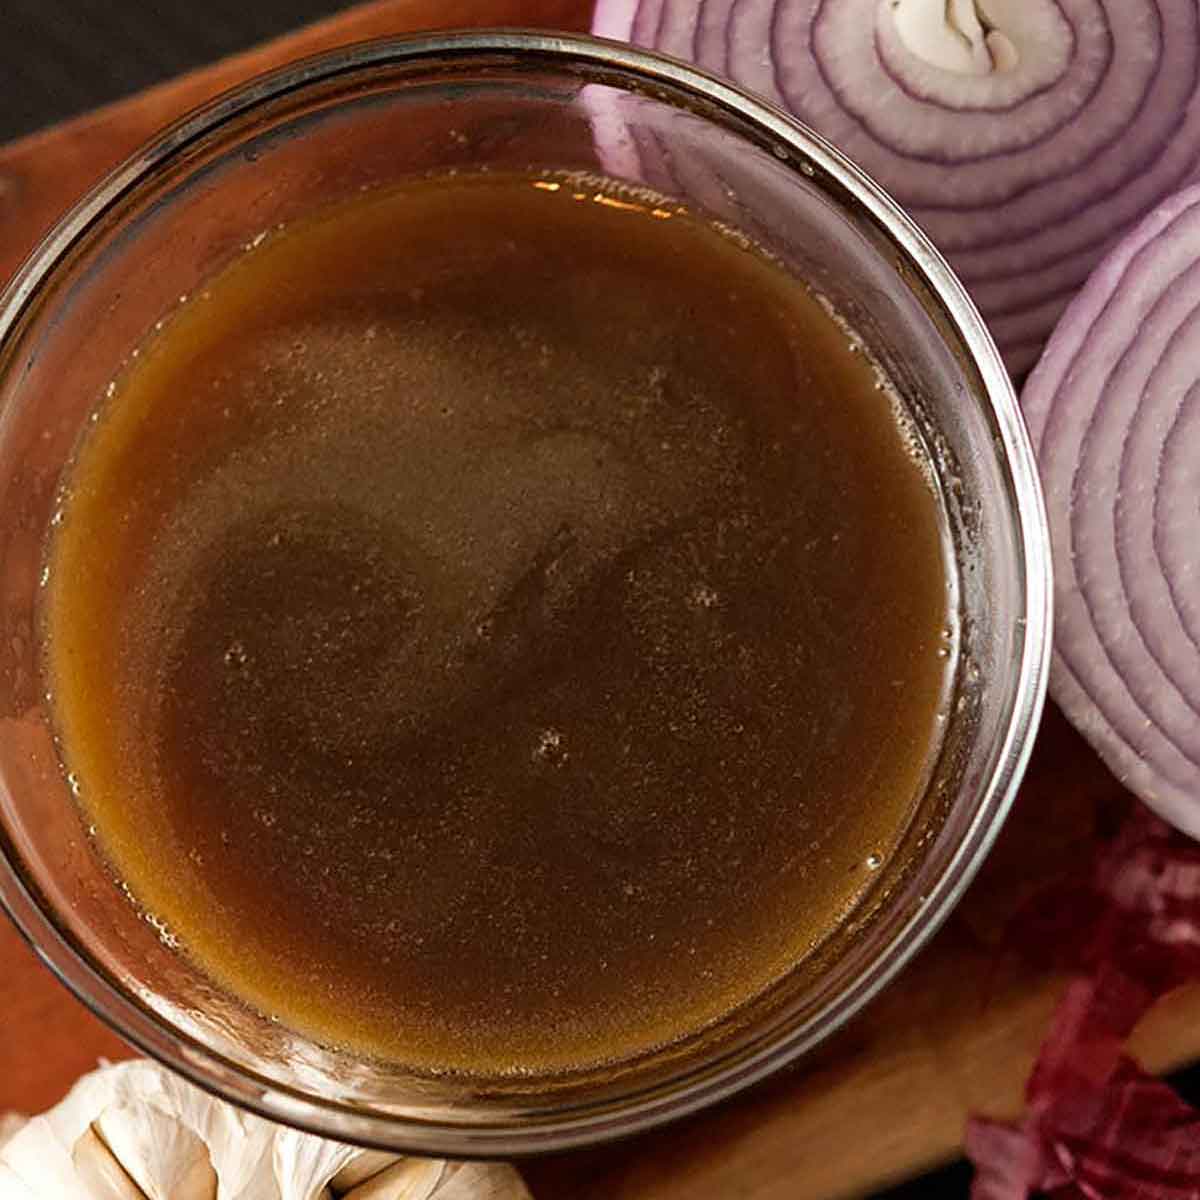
column 888, row 1096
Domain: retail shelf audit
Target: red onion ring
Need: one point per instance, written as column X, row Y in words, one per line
column 1114, row 411
column 1026, row 172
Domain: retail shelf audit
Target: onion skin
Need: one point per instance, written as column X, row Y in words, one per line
column 1024, row 174
column 1124, row 922
column 1114, row 412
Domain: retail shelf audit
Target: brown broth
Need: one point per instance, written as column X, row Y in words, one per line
column 497, row 624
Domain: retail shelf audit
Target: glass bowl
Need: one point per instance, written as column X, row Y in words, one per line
column 368, row 116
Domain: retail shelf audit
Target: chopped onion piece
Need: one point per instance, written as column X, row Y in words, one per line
column 1096, row 1124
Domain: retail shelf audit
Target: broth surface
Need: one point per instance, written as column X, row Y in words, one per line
column 497, row 625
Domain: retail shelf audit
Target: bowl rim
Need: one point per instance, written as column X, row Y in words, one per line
column 687, row 1090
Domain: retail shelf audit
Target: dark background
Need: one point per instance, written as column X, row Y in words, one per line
column 62, row 57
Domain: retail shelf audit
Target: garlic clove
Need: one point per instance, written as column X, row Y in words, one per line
column 408, row 1179
column 102, row 1177
column 360, row 1168
column 239, row 1143
column 137, row 1132
column 165, row 1159
column 40, row 1154
column 481, row 1181
column 304, row 1164
column 199, row 1182
column 138, row 1092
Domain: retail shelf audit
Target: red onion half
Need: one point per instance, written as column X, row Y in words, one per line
column 1025, row 135
column 1114, row 412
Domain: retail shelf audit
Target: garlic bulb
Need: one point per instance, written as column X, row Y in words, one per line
column 134, row 1131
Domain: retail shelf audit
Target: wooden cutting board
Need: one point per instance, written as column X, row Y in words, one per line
column 885, row 1099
